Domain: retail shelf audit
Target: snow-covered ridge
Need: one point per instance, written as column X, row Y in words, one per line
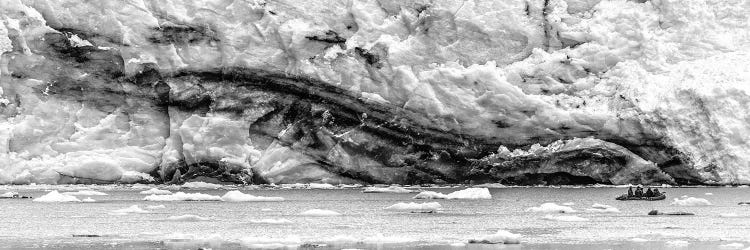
column 151, row 99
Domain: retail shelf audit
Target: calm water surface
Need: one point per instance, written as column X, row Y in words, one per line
column 27, row 224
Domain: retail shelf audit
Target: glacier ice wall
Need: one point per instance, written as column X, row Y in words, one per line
column 375, row 91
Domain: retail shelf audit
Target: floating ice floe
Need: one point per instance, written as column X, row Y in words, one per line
column 735, row 245
column 321, row 186
column 501, row 236
column 566, row 218
column 271, row 243
column 156, row 207
column 201, row 185
column 601, row 208
column 469, row 193
column 10, row 194
column 271, row 221
column 709, row 194
column 678, row 243
column 187, row 217
column 156, row 191
column 134, row 209
column 568, row 204
column 191, row 241
column 180, row 196
column 391, row 189
column 55, row 196
column 491, row 185
column 428, row 207
column 237, row 196
column 691, row 201
column 638, row 240
column 88, row 200
column 85, row 193
column 550, row 207
column 320, row 212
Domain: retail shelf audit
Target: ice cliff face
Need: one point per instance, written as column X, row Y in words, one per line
column 527, row 92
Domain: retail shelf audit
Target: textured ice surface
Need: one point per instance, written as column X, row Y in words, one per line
column 237, row 196
column 601, row 208
column 501, row 236
column 691, row 201
column 151, row 96
column 54, row 196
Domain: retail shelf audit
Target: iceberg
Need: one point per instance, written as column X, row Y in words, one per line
column 54, row 196
column 187, row 217
column 320, row 213
column 237, row 196
column 85, row 193
column 321, row 186
column 565, row 218
column 469, row 194
column 132, row 209
column 551, row 208
column 601, row 208
column 9, row 194
column 156, row 191
column 428, row 207
column 691, row 201
column 391, row 189
column 500, row 237
column 180, row 196
column 88, row 200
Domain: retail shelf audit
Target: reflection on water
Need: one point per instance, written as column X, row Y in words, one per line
column 365, row 223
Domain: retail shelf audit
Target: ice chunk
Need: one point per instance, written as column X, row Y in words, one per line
column 469, row 193
column 319, row 212
column 501, row 236
column 568, row 204
column 238, row 196
column 85, row 192
column 88, row 199
column 132, row 209
column 156, row 191
column 566, row 218
column 678, row 243
column 321, row 186
column 709, row 193
column 491, row 185
column 430, row 195
column 735, row 245
column 201, row 185
column 156, row 207
column 271, row 221
column 551, row 208
column 271, row 243
column 55, row 196
column 391, row 189
column 10, row 194
column 638, row 240
column 428, row 207
column 691, row 201
column 180, row 196
column 601, row 208
column 187, row 217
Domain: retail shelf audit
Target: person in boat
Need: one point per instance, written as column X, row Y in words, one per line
column 630, row 191
column 638, row 192
column 649, row 193
column 656, row 192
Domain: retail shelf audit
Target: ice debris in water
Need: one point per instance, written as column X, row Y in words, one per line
column 638, row 240
column 319, row 212
column 566, row 218
column 191, row 241
column 691, row 201
column 735, row 245
column 601, row 208
column 180, row 196
column 469, row 193
column 678, row 243
column 55, row 196
column 271, row 243
column 709, row 193
column 156, row 207
column 88, row 199
column 187, row 217
column 321, row 186
column 10, row 194
column 156, row 191
column 132, row 209
column 271, row 221
column 85, row 192
column 490, row 185
column 550, row 207
column 237, row 196
column 428, row 207
column 568, row 204
column 201, row 185
column 501, row 236
column 391, row 189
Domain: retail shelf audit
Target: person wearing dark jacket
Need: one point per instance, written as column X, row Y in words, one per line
column 630, row 191
column 649, row 193
column 656, row 192
column 638, row 192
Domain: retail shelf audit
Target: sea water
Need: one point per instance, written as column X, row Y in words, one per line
column 364, row 223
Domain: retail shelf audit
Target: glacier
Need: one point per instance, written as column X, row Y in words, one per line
column 375, row 91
